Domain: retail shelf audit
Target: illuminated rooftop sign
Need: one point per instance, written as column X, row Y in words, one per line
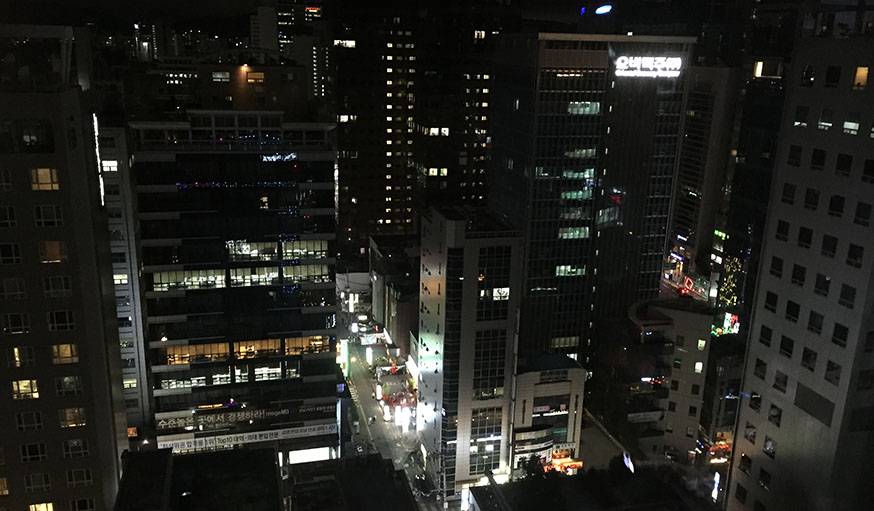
column 648, row 67
column 279, row 157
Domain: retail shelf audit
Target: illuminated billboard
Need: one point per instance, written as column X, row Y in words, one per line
column 648, row 67
column 730, row 325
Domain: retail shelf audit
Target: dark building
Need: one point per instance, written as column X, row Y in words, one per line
column 228, row 480
column 394, row 276
column 63, row 421
column 237, row 227
column 586, row 137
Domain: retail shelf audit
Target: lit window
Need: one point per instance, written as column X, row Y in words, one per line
column 701, row 344
column 479, row 34
column 254, row 77
column 4, row 487
column 65, row 354
column 568, row 270
column 221, row 76
column 52, row 251
column 42, row 506
column 699, row 367
column 572, row 233
column 583, row 107
column 25, row 389
column 119, row 279
column 851, row 125
column 71, row 417
column 129, row 383
column 825, row 119
column 860, row 79
column 109, row 165
column 44, row 179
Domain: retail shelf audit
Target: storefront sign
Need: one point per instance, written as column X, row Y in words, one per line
column 187, row 442
column 210, row 418
column 279, row 157
column 648, row 67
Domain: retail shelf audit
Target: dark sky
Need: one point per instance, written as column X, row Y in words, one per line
column 112, row 12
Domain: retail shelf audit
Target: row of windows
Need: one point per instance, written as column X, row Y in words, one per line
column 44, row 215
column 19, row 322
column 196, row 353
column 843, row 165
column 239, row 277
column 64, row 386
column 25, row 356
column 833, row 75
column 49, row 252
column 67, row 418
column 55, row 286
column 836, row 203
column 42, row 179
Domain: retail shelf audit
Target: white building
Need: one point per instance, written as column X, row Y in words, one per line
column 468, row 298
column 807, row 419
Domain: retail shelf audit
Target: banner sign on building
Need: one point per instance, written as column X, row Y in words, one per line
column 187, row 441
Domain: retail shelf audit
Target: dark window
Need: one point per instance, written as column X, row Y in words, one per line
column 771, row 301
column 808, row 359
column 868, row 170
column 840, row 333
column 755, row 401
column 675, row 385
column 855, row 253
column 793, row 310
column 811, row 198
column 744, row 464
column 789, row 193
column 833, row 372
column 740, row 493
column 843, row 164
column 781, row 380
column 787, row 346
column 765, row 335
column 672, row 406
column 761, row 369
column 817, row 159
column 848, row 296
column 832, row 76
column 829, row 245
column 822, row 284
column 807, row 76
column 775, row 415
column 814, row 322
column 769, row 447
column 805, row 237
column 776, row 266
column 866, row 380
column 869, row 342
column 696, row 389
column 782, row 230
column 758, row 506
column 693, row 411
column 802, row 112
column 799, row 274
column 764, row 479
column 863, row 214
column 794, row 157
column 836, row 205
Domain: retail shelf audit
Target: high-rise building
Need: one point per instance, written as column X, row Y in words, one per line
column 239, row 282
column 374, row 52
column 263, row 29
column 806, row 421
column 120, row 200
column 586, row 136
column 464, row 354
column 61, row 399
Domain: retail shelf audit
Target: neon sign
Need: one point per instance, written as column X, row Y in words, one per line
column 279, row 157
column 648, row 67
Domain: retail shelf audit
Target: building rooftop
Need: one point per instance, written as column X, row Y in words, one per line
column 648, row 311
column 480, row 223
column 547, row 362
column 224, row 480
column 596, row 490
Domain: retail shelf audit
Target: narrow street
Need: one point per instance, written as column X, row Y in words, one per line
column 380, row 436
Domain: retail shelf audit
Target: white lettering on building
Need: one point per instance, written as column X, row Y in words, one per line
column 648, row 67
column 279, row 157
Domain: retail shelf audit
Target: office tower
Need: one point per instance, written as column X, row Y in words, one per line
column 806, row 421
column 120, row 200
column 236, row 218
column 548, row 412
column 701, row 173
column 61, row 402
column 464, row 355
column 674, row 337
column 263, row 29
column 451, row 136
column 375, row 57
column 586, row 135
